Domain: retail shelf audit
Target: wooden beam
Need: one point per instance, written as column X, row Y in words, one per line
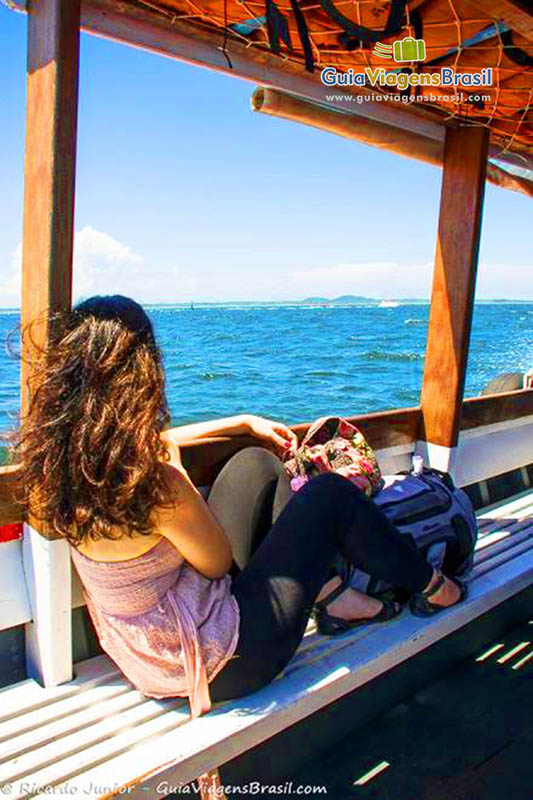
column 10, row 509
column 452, row 302
column 204, row 459
column 158, row 31
column 161, row 32
column 51, row 125
column 506, row 180
column 496, row 408
column 518, row 15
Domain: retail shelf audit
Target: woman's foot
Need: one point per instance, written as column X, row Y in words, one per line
column 448, row 594
column 351, row 604
column 339, row 608
column 440, row 593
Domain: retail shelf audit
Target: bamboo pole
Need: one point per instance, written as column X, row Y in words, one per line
column 385, row 137
column 371, row 132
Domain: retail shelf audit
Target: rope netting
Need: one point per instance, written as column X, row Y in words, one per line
column 457, row 34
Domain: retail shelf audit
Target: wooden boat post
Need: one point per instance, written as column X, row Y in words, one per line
column 452, row 300
column 51, row 124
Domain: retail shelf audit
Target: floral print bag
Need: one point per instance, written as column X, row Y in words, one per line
column 332, row 444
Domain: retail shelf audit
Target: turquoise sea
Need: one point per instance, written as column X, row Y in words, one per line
column 297, row 362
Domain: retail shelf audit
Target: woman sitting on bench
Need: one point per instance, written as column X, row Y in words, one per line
column 192, row 598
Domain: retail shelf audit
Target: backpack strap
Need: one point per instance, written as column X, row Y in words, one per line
column 304, row 35
column 277, row 28
column 515, row 53
column 354, row 34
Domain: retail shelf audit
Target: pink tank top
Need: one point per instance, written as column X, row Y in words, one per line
column 168, row 628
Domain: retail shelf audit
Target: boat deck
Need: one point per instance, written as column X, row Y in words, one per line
column 99, row 731
column 446, row 742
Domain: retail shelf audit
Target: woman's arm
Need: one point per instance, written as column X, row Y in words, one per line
column 228, row 426
column 189, row 524
column 191, row 527
column 270, row 431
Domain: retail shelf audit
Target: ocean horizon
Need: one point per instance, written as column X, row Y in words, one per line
column 372, row 301
column 298, row 361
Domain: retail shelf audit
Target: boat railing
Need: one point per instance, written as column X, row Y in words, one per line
column 496, row 438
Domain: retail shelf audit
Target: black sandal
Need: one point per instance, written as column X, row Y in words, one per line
column 420, row 606
column 332, row 626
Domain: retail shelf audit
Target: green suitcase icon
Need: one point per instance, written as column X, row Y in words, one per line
column 409, row 49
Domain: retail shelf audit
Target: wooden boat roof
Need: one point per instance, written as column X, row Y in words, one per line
column 466, row 35
column 265, row 41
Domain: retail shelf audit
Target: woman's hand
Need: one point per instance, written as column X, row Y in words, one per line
column 278, row 434
column 275, row 433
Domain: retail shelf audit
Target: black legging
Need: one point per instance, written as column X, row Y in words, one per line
column 278, row 572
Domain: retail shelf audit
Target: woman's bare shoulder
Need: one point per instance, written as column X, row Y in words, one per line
column 121, row 548
column 182, row 495
column 191, row 527
column 165, row 520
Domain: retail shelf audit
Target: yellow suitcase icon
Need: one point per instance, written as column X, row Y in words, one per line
column 409, row 49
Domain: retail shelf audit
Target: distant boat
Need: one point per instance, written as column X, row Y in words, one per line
column 388, row 304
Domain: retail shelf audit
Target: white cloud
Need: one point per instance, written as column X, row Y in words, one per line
column 345, row 271
column 102, row 265
column 89, row 243
column 391, row 280
column 512, row 281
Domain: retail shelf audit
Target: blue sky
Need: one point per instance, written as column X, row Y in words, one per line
column 184, row 194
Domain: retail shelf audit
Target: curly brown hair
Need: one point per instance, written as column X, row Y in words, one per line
column 90, row 443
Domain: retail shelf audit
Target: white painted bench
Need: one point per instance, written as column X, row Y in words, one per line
column 96, row 735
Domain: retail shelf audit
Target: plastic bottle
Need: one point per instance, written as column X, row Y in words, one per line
column 418, row 465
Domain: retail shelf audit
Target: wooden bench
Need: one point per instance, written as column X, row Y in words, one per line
column 96, row 735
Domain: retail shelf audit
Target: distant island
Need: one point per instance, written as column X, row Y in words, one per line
column 342, row 300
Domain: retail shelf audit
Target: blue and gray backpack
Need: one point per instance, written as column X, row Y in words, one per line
column 438, row 518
